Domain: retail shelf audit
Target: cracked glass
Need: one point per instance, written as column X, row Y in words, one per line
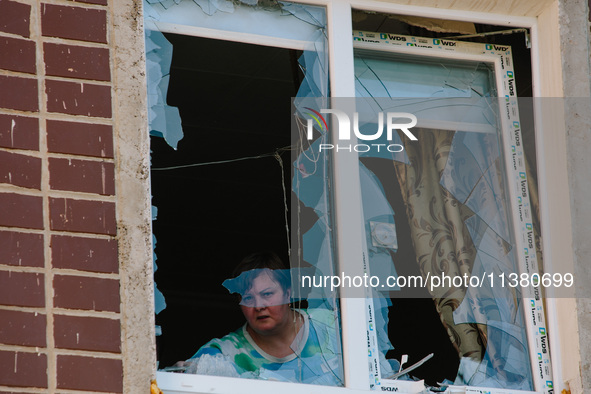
column 241, row 85
column 447, row 192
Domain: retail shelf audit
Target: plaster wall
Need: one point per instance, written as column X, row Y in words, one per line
column 506, row 7
column 574, row 33
column 133, row 198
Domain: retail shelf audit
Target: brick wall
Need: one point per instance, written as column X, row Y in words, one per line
column 60, row 322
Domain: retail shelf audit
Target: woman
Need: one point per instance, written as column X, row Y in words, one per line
column 276, row 342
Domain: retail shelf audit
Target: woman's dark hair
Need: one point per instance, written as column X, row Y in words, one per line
column 250, row 267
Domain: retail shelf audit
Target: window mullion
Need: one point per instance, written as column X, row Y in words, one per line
column 349, row 227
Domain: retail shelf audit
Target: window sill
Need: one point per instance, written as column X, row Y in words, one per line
column 176, row 383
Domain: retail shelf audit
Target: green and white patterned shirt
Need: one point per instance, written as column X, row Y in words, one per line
column 316, row 357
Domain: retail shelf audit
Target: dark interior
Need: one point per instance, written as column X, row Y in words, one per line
column 234, row 101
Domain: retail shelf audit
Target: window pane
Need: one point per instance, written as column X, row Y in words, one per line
column 222, row 185
column 435, row 210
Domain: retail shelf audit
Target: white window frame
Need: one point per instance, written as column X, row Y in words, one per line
column 477, row 53
column 347, row 210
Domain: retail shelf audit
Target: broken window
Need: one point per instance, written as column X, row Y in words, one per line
column 439, row 213
column 222, row 186
column 229, row 179
column 444, row 202
column 452, row 186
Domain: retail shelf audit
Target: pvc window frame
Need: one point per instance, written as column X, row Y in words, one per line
column 347, row 209
column 505, row 130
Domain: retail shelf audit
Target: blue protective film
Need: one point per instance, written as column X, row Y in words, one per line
column 159, row 302
column 164, row 120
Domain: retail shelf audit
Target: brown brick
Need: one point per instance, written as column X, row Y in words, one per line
column 80, row 138
column 21, row 249
column 23, row 369
column 77, row 62
column 75, row 23
column 87, row 333
column 82, row 216
column 17, row 55
column 84, row 254
column 20, row 392
column 78, row 98
column 17, row 210
column 22, row 289
column 81, row 176
column 15, row 17
column 22, row 328
column 99, row 2
column 78, row 292
column 20, row 170
column 89, row 373
column 19, row 93
column 19, row 132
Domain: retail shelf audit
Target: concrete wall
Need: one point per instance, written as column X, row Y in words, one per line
column 132, row 159
column 574, row 33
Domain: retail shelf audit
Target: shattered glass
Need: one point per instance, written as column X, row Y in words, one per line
column 159, row 301
column 446, row 96
column 313, row 361
column 268, row 18
column 292, row 20
column 164, row 120
column 317, row 350
column 316, row 357
column 459, row 97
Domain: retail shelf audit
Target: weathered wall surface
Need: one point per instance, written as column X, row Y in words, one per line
column 60, row 309
column 574, row 32
column 132, row 152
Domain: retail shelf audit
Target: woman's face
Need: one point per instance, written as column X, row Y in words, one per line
column 266, row 306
